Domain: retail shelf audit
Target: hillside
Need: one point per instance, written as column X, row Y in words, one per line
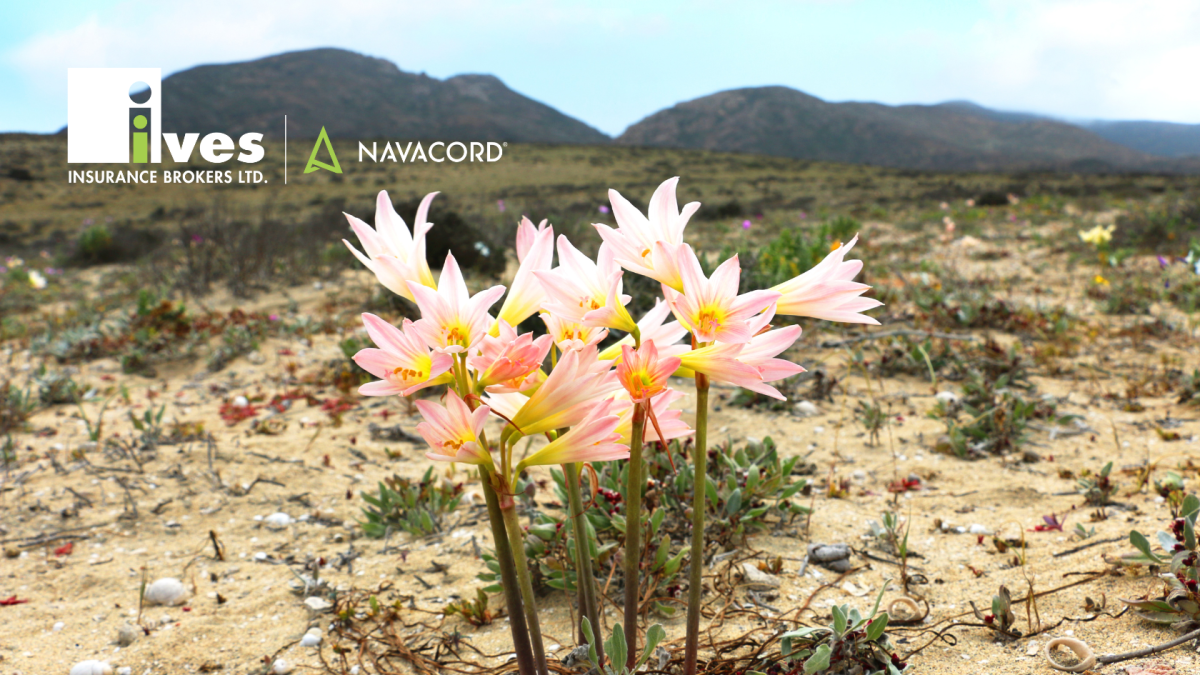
column 786, row 122
column 1156, row 138
column 356, row 96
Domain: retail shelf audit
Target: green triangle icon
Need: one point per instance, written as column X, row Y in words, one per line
column 314, row 163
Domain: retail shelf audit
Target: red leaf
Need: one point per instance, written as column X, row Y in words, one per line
column 65, row 549
column 12, row 600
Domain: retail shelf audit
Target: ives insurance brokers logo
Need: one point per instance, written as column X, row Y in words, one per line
column 114, row 116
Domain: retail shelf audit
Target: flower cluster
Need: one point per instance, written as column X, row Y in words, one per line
column 590, row 403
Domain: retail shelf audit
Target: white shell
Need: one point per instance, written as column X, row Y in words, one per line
column 91, row 667
column 281, row 667
column 311, row 639
column 58, row 626
column 277, row 521
column 1087, row 658
column 166, row 591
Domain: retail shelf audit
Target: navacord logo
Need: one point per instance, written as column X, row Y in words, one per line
column 110, row 121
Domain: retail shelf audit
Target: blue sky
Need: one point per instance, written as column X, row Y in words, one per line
column 612, row 63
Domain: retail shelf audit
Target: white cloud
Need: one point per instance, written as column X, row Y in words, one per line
column 1085, row 58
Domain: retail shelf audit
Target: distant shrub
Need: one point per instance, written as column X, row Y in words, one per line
column 792, row 253
column 95, row 244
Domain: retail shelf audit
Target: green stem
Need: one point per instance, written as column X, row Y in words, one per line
column 588, row 605
column 508, row 578
column 516, row 542
column 633, row 531
column 699, row 498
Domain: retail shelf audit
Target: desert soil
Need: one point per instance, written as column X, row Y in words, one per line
column 241, row 613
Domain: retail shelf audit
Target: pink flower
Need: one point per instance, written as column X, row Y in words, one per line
column 711, row 309
column 526, row 295
column 761, row 351
column 719, row 362
column 603, row 208
column 586, row 292
column 827, row 292
column 451, row 320
column 527, row 234
column 592, row 439
column 650, row 244
column 453, row 431
column 651, row 327
column 509, row 362
column 500, row 205
column 569, row 335
column 745, row 224
column 669, row 421
column 402, row 361
column 642, row 373
column 395, row 256
column 574, row 386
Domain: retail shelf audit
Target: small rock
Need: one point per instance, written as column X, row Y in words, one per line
column 256, row 358
column 127, row 634
column 12, row 552
column 312, row 638
column 281, row 667
column 835, row 557
column 124, row 670
column 166, row 591
column 976, row 528
column 277, row 521
column 91, row 667
column 947, row 397
column 317, row 605
column 58, row 625
column 805, row 409
column 758, row 580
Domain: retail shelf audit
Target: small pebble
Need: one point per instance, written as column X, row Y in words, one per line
column 166, row 591
column 58, row 626
column 91, row 667
column 281, row 667
column 127, row 634
column 311, row 639
column 277, row 521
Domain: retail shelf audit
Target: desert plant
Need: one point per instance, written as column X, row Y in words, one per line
column 417, row 507
column 851, row 643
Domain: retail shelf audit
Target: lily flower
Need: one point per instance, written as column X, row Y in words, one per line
column 650, row 327
column 526, row 295
column 569, row 335
column 669, row 421
column 395, row 256
column 569, row 392
column 402, row 361
column 711, row 309
column 651, row 244
column 584, row 291
column 527, row 234
column 642, row 373
column 761, row 351
column 452, row 321
column 592, row 439
column 453, row 431
column 827, row 292
column 719, row 362
column 509, row 362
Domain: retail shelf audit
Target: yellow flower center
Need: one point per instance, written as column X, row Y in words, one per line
column 588, row 303
column 709, row 319
column 415, row 373
column 456, row 334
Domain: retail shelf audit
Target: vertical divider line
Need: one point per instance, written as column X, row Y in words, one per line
column 285, row 149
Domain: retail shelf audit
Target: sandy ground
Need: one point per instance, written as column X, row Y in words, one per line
column 241, row 613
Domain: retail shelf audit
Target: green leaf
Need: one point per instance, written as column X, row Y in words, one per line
column 735, row 502
column 616, row 648
column 876, row 627
column 591, row 640
column 839, row 620
column 711, row 490
column 819, row 660
column 656, row 520
column 1190, row 506
column 653, row 636
column 1142, row 544
column 672, row 566
column 664, row 550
